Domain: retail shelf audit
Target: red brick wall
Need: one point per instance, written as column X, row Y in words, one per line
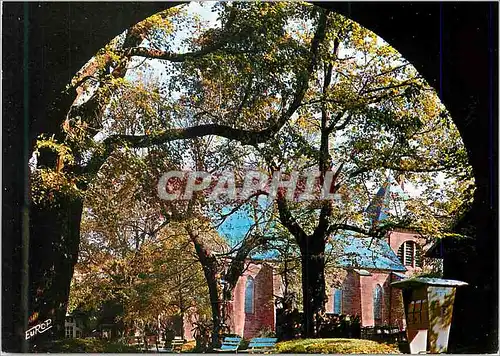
column 249, row 325
column 368, row 284
column 241, row 323
column 357, row 296
column 238, row 303
column 351, row 295
column 278, row 285
column 358, row 290
column 397, row 315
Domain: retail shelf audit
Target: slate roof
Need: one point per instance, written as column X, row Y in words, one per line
column 400, row 275
column 235, row 228
column 351, row 251
column 365, row 253
column 379, row 206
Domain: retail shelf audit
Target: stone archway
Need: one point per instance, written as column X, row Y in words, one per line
column 452, row 45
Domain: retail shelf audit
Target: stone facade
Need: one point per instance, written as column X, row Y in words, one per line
column 261, row 317
column 357, row 285
column 249, row 324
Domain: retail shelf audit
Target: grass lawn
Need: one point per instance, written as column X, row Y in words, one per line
column 311, row 346
column 86, row 346
column 336, row 346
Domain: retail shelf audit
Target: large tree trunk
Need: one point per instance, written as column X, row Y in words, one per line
column 55, row 229
column 210, row 276
column 313, row 289
column 209, row 264
column 55, row 238
column 230, row 276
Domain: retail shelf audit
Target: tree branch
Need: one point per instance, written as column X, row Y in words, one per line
column 245, row 137
column 400, row 169
column 405, row 83
column 332, row 126
column 237, row 207
column 289, row 221
column 237, row 265
column 152, row 53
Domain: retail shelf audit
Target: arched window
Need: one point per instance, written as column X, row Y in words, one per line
column 249, row 295
column 337, row 301
column 409, row 254
column 377, row 304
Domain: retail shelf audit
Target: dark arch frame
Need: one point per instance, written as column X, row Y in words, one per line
column 453, row 45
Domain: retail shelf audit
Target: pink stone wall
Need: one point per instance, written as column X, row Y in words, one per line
column 368, row 285
column 189, row 321
column 397, row 315
column 351, row 295
column 244, row 324
column 263, row 316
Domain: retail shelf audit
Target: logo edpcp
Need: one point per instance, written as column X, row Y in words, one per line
column 39, row 329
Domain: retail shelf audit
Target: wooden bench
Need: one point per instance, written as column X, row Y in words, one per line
column 175, row 345
column 230, row 344
column 262, row 344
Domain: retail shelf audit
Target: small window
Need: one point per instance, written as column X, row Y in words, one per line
column 417, row 312
column 377, row 304
column 69, row 331
column 418, row 256
column 401, row 254
column 337, row 301
column 249, row 295
column 409, row 254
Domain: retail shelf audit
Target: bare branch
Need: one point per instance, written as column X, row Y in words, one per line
column 152, row 53
column 237, row 207
column 405, row 83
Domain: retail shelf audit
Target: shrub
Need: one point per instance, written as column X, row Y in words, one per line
column 336, row 346
column 340, row 326
column 288, row 324
column 202, row 332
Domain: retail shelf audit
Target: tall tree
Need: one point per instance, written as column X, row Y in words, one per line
column 365, row 115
